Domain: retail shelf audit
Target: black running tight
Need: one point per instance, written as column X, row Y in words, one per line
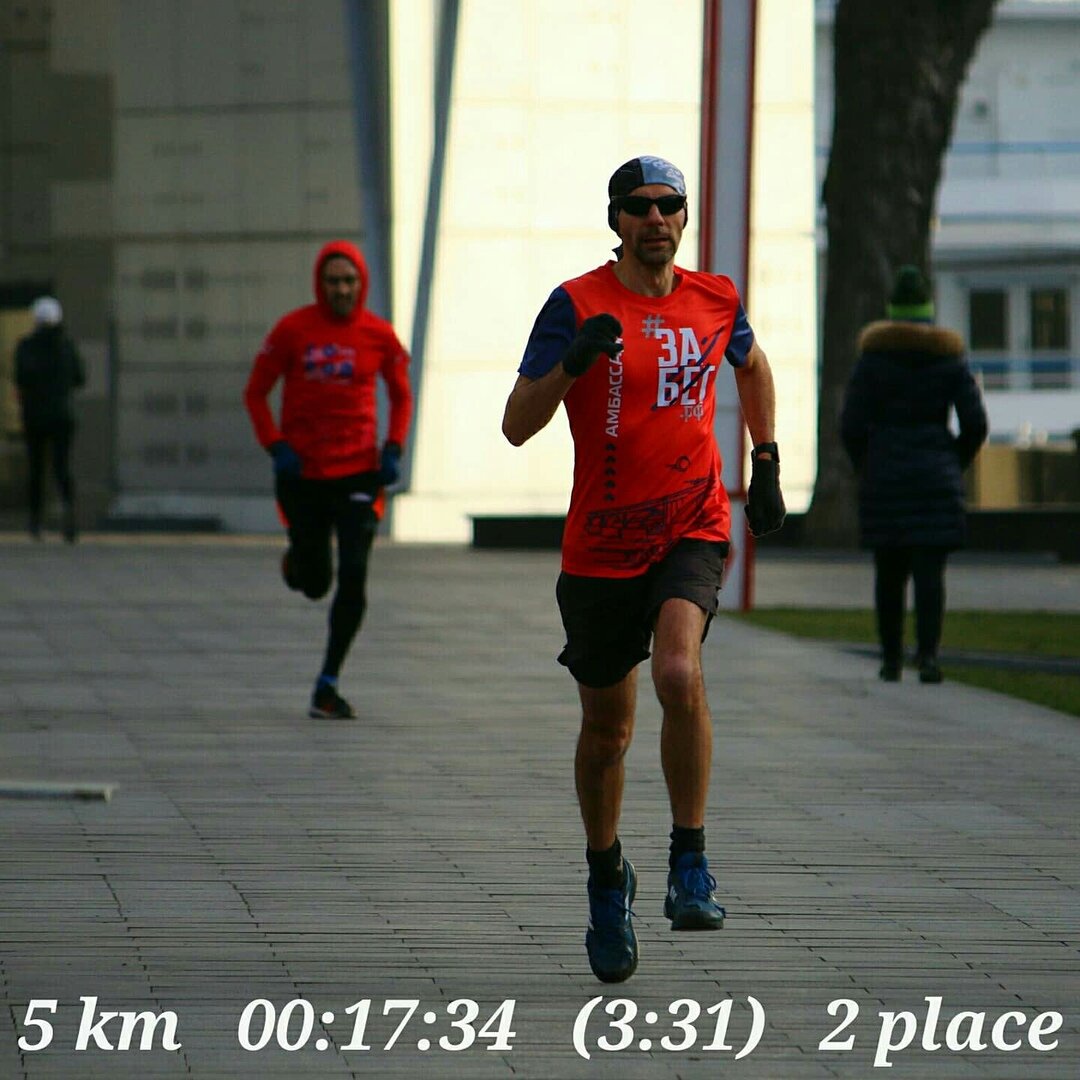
column 315, row 511
column 350, row 600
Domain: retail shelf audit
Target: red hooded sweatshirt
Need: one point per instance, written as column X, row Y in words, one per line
column 329, row 365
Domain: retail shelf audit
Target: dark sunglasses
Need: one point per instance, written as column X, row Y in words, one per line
column 640, row 205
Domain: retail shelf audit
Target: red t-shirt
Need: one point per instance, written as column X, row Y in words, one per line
column 329, row 366
column 646, row 463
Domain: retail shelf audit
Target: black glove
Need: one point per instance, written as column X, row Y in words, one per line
column 764, row 507
column 597, row 335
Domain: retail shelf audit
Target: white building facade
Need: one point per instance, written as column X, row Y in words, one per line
column 1006, row 236
column 530, row 148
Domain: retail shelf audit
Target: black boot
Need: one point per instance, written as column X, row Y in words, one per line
column 929, row 669
column 890, row 669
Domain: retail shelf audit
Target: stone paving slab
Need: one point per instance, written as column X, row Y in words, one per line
column 876, row 845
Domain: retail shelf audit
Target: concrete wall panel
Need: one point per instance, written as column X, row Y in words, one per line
column 146, row 71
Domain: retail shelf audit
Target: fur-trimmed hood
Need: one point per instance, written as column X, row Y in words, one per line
column 909, row 337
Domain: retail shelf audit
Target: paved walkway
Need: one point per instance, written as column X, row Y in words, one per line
column 877, row 845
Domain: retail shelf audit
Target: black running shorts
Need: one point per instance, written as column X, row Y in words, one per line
column 609, row 621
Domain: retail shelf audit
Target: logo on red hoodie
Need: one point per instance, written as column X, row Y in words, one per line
column 329, row 363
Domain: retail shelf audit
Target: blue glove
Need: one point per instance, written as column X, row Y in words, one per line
column 390, row 464
column 286, row 459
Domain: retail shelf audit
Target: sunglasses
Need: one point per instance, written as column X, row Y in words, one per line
column 640, row 205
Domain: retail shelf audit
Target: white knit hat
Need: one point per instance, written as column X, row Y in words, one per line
column 47, row 311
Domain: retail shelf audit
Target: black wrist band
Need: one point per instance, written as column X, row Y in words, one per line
column 765, row 447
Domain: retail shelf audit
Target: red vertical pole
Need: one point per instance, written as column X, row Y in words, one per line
column 727, row 114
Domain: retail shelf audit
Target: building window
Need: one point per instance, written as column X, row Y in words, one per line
column 992, row 374
column 1049, row 319
column 988, row 320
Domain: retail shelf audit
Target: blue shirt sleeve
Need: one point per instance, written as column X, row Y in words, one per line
column 554, row 329
column 742, row 338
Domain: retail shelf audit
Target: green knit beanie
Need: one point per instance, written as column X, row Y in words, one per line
column 910, row 299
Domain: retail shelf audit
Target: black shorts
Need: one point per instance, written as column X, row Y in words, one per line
column 609, row 621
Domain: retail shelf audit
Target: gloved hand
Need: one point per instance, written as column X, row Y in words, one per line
column 390, row 464
column 286, row 460
column 597, row 335
column 765, row 510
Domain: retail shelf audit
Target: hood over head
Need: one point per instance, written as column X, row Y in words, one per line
column 352, row 253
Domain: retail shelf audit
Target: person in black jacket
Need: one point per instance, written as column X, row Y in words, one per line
column 47, row 369
column 895, row 428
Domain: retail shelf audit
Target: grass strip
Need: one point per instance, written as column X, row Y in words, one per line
column 1026, row 633
column 1029, row 633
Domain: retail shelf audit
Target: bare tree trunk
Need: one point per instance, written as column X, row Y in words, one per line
column 898, row 68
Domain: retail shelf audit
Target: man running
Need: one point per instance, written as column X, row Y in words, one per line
column 329, row 468
column 631, row 349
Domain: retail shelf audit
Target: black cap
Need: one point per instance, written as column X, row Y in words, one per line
column 637, row 172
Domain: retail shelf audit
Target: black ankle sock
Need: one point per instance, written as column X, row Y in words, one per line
column 606, row 867
column 684, row 840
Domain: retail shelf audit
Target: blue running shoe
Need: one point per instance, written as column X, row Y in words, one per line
column 610, row 940
column 690, row 903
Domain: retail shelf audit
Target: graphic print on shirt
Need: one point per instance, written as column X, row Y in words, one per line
column 329, row 363
column 646, row 464
column 614, row 402
column 683, row 374
column 636, row 534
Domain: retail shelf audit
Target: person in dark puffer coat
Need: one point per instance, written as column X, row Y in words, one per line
column 895, row 428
